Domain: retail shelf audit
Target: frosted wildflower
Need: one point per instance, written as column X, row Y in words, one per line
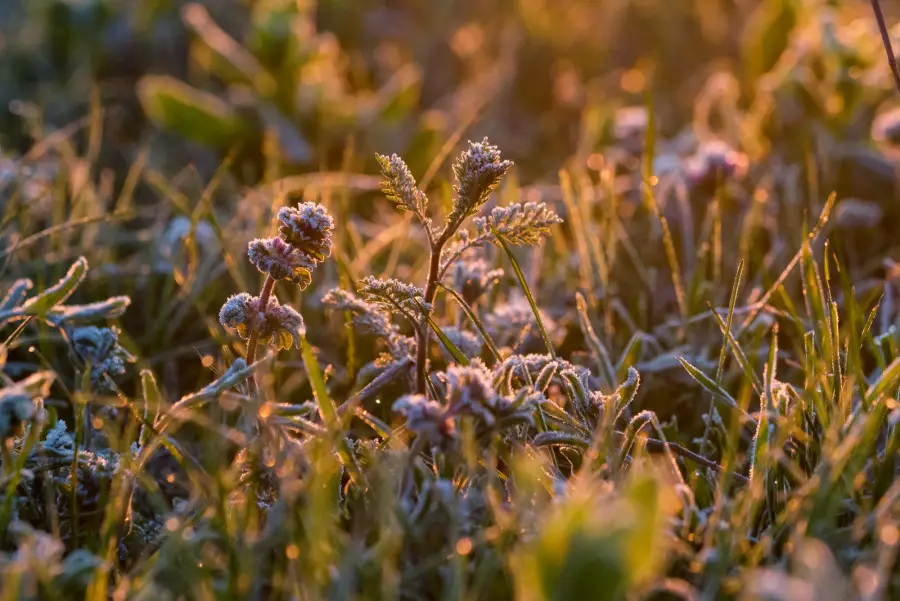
column 886, row 127
column 99, row 348
column 473, row 279
column 399, row 186
column 276, row 322
column 394, row 295
column 470, row 344
column 368, row 317
column 281, row 261
column 308, row 227
column 716, row 161
column 471, row 392
column 478, row 172
column 519, row 224
column 427, row 419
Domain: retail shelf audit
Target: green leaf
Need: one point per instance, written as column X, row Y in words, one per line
column 474, row 319
column 706, row 382
column 458, row 355
column 521, row 277
column 63, row 289
column 193, row 113
column 328, row 411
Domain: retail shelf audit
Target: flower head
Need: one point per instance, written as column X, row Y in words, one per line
column 470, row 391
column 428, row 419
column 307, row 227
column 275, row 322
column 281, row 260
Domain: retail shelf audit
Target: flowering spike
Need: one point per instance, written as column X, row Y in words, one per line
column 399, row 186
column 478, row 172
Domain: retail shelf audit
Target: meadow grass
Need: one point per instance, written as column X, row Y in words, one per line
column 345, row 353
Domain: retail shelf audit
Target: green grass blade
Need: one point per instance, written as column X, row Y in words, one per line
column 521, row 277
column 458, row 355
column 470, row 313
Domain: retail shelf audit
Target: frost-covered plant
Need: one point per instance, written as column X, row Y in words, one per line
column 304, row 241
column 478, row 171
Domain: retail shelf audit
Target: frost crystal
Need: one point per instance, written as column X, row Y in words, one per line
column 276, row 322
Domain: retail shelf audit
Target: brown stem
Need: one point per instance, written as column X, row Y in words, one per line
column 886, row 40
column 424, row 331
column 263, row 303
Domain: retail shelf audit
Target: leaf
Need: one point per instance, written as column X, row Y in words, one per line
column 458, row 355
column 706, row 382
column 49, row 298
column 474, row 319
column 328, row 411
column 524, row 285
column 566, row 439
column 193, row 113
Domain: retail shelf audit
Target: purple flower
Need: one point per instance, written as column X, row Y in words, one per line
column 275, row 322
column 308, row 227
column 282, row 260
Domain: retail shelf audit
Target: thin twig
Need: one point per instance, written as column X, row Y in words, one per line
column 886, row 39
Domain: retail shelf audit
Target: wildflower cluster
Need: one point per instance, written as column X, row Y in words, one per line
column 304, row 241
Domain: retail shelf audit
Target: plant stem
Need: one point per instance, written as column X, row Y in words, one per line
column 424, row 331
column 263, row 303
column 886, row 39
column 434, row 276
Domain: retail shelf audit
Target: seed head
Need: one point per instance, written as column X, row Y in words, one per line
column 519, row 224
